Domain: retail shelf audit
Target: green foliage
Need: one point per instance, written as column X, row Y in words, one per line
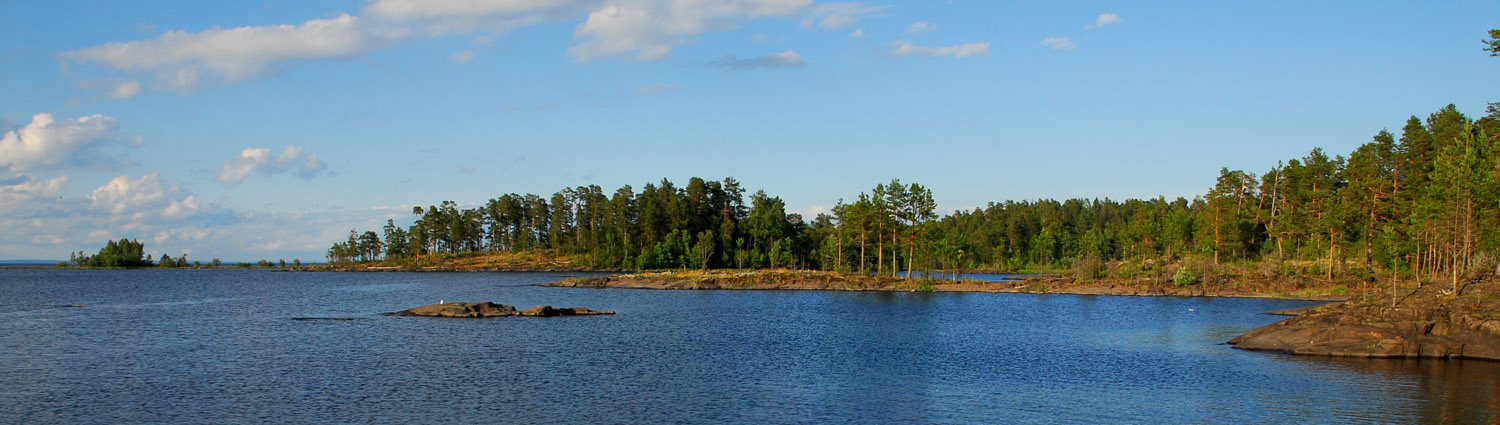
column 1492, row 45
column 123, row 253
column 1184, row 276
column 1419, row 202
column 1088, row 268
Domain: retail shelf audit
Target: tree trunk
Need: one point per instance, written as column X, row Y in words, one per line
column 862, row 252
column 1217, row 226
column 911, row 252
column 1331, row 247
column 895, row 250
column 838, row 265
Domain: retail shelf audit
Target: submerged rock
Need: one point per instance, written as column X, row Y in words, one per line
column 489, row 309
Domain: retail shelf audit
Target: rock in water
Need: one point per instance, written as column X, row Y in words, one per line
column 489, row 309
column 1351, row 330
column 464, row 310
column 550, row 311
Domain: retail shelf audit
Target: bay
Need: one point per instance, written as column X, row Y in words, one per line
column 221, row 346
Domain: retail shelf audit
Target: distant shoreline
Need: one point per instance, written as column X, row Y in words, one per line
column 832, row 281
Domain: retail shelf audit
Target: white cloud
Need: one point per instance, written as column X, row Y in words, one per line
column 180, row 59
column 439, row 9
column 905, row 48
column 259, row 160
column 22, row 191
column 35, row 223
column 436, row 17
column 122, row 194
column 651, row 29
column 47, row 142
column 859, row 33
column 833, row 22
column 657, row 88
column 183, row 208
column 921, row 27
column 1104, row 19
column 1059, row 43
column 235, row 170
column 462, row 57
column 643, row 29
column 113, row 88
column 787, row 59
column 832, row 16
column 125, row 89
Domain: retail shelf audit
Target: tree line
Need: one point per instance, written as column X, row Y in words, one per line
column 131, row 253
column 703, row 224
column 1424, row 204
column 1419, row 203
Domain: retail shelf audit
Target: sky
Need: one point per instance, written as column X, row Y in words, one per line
column 247, row 130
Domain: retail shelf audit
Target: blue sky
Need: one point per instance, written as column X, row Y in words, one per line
column 249, row 130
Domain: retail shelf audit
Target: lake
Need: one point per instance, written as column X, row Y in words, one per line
column 221, row 346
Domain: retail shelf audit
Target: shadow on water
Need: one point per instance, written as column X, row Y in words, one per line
column 1442, row 391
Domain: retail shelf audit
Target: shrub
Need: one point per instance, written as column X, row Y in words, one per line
column 1361, row 273
column 1184, row 276
column 1483, row 263
column 1088, row 268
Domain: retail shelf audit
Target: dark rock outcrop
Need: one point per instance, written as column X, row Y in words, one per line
column 550, row 311
column 1427, row 324
column 489, row 309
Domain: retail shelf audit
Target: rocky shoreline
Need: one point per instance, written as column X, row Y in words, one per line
column 1047, row 284
column 1418, row 322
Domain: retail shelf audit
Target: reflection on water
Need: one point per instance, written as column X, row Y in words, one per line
column 221, row 347
column 1440, row 391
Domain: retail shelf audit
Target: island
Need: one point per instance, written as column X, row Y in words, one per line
column 486, row 309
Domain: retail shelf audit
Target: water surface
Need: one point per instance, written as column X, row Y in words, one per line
column 220, row 346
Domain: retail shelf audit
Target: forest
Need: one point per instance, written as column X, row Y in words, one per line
column 1423, row 203
column 1420, row 204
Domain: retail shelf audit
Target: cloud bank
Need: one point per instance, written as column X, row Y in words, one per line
column 645, row 30
column 182, row 60
column 47, row 142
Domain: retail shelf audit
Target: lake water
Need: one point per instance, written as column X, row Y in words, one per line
column 220, row 346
